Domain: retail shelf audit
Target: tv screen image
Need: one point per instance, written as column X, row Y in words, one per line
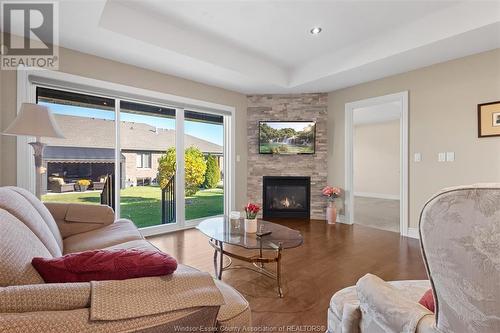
column 287, row 137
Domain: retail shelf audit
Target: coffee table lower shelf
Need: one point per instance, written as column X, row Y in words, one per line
column 257, row 261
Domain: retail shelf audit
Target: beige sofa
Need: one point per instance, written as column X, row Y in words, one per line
column 30, row 229
column 460, row 241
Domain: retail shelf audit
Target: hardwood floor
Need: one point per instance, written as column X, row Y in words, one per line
column 331, row 258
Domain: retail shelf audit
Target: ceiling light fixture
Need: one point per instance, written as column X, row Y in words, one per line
column 315, row 31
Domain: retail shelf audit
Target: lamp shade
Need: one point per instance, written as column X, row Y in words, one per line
column 34, row 120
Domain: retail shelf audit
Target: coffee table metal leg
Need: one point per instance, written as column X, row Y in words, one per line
column 278, row 271
column 215, row 261
column 221, row 260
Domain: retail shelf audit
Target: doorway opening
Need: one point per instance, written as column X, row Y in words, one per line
column 377, row 162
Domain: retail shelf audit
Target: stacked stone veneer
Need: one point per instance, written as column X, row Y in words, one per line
column 288, row 108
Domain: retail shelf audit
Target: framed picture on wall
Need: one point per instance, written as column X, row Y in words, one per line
column 488, row 115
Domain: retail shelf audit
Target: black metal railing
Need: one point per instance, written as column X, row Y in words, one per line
column 108, row 192
column 168, row 202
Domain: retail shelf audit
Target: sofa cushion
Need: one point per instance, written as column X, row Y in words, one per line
column 119, row 232
column 78, row 321
column 18, row 246
column 43, row 211
column 235, row 313
column 140, row 244
column 100, row 265
column 21, row 208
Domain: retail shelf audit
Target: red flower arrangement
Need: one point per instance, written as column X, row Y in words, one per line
column 331, row 192
column 252, row 210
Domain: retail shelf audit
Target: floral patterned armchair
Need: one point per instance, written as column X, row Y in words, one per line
column 460, row 239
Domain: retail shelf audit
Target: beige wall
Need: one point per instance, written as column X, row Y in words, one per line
column 376, row 158
column 443, row 102
column 78, row 63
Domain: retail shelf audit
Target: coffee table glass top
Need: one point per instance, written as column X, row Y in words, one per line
column 232, row 231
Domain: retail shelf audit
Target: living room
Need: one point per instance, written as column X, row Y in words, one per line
column 207, row 135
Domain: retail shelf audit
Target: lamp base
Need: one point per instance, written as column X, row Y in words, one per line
column 38, row 154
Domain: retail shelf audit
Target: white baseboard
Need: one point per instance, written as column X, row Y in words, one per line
column 413, row 233
column 377, row 195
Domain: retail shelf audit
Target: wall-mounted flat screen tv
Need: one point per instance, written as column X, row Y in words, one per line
column 287, row 137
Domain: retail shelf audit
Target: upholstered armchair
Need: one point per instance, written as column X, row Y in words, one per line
column 460, row 240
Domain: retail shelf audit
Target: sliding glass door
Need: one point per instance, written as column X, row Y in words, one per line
column 147, row 133
column 77, row 167
column 204, row 164
column 156, row 165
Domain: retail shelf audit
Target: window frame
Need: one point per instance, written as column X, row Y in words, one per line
column 143, row 154
column 28, row 79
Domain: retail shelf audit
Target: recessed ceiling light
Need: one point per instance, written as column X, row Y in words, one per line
column 315, row 30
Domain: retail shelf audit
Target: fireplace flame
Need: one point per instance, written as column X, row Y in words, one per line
column 285, row 202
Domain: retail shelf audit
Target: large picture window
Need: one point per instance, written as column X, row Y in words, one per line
column 127, row 154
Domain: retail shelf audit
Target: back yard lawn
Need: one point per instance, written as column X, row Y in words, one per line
column 142, row 204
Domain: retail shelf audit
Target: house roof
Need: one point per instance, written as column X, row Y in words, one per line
column 100, row 133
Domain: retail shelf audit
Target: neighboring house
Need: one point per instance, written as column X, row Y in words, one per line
column 87, row 151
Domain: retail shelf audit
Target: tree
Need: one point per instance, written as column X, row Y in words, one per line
column 212, row 175
column 194, row 164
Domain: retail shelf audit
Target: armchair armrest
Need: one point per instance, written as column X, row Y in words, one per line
column 74, row 218
column 44, row 297
column 387, row 307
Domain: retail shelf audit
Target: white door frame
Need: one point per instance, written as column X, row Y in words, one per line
column 401, row 97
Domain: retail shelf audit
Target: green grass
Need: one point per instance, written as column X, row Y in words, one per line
column 142, row 204
column 285, row 148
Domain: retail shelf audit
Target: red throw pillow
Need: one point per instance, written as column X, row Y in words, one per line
column 101, row 265
column 428, row 300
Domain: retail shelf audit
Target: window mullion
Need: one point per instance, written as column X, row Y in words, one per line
column 118, row 171
column 180, row 171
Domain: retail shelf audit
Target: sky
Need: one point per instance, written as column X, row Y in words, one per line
column 209, row 132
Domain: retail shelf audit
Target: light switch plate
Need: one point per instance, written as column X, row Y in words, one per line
column 450, row 156
column 237, row 158
column 442, row 157
column 417, row 157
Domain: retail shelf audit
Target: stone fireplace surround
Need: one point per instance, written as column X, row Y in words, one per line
column 288, row 108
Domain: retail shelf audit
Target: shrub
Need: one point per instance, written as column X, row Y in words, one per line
column 195, row 168
column 212, row 175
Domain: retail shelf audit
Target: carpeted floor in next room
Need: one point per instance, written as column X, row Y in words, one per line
column 331, row 258
column 377, row 213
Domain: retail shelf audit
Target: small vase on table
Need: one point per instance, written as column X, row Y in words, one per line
column 251, row 211
column 251, row 226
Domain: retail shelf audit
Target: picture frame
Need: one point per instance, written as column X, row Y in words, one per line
column 488, row 116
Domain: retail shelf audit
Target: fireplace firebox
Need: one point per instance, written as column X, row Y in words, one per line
column 286, row 196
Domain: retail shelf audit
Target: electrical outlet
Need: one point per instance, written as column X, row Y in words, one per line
column 450, row 156
column 442, row 157
column 417, row 157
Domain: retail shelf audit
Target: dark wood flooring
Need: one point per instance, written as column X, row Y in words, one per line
column 331, row 258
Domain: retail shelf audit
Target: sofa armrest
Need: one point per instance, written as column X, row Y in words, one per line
column 74, row 218
column 384, row 304
column 44, row 297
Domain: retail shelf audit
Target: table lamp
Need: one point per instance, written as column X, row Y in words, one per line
column 38, row 121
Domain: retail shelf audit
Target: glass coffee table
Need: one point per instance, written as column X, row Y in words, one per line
column 271, row 239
